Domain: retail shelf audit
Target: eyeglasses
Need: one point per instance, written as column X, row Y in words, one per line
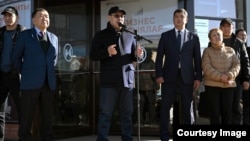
column 118, row 16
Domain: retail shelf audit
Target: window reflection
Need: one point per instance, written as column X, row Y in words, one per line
column 72, row 103
column 218, row 8
column 72, row 100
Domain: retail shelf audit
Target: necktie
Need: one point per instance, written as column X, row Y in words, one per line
column 43, row 41
column 41, row 34
column 179, row 40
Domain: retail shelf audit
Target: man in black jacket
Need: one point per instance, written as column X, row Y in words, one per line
column 242, row 80
column 9, row 78
column 116, row 51
column 241, row 34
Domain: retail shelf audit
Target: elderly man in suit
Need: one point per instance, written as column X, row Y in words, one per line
column 180, row 71
column 35, row 57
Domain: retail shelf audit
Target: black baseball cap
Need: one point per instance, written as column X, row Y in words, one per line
column 116, row 9
column 11, row 10
column 226, row 21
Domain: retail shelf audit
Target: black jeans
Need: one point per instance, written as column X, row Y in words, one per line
column 236, row 110
column 111, row 98
column 9, row 84
column 246, row 107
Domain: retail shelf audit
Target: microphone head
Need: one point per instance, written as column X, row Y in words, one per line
column 122, row 25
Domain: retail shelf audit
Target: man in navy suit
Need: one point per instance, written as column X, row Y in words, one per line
column 180, row 71
column 35, row 57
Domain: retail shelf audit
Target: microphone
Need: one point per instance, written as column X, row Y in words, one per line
column 122, row 25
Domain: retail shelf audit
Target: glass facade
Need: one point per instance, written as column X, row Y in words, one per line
column 73, row 103
column 209, row 13
column 217, row 8
column 76, row 21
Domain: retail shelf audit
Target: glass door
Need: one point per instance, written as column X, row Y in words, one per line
column 73, row 99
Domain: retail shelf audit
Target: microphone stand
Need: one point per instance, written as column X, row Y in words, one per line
column 137, row 37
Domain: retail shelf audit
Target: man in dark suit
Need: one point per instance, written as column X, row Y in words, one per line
column 116, row 52
column 35, row 57
column 180, row 71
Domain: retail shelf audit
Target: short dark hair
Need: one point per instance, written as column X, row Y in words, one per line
column 181, row 10
column 37, row 10
column 239, row 30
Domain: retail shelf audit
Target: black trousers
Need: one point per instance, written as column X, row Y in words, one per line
column 246, row 107
column 9, row 84
column 220, row 101
column 169, row 93
column 236, row 110
column 30, row 99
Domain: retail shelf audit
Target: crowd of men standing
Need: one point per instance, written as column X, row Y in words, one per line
column 179, row 69
column 27, row 70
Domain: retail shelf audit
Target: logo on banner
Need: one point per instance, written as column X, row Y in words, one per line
column 68, row 52
column 144, row 56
